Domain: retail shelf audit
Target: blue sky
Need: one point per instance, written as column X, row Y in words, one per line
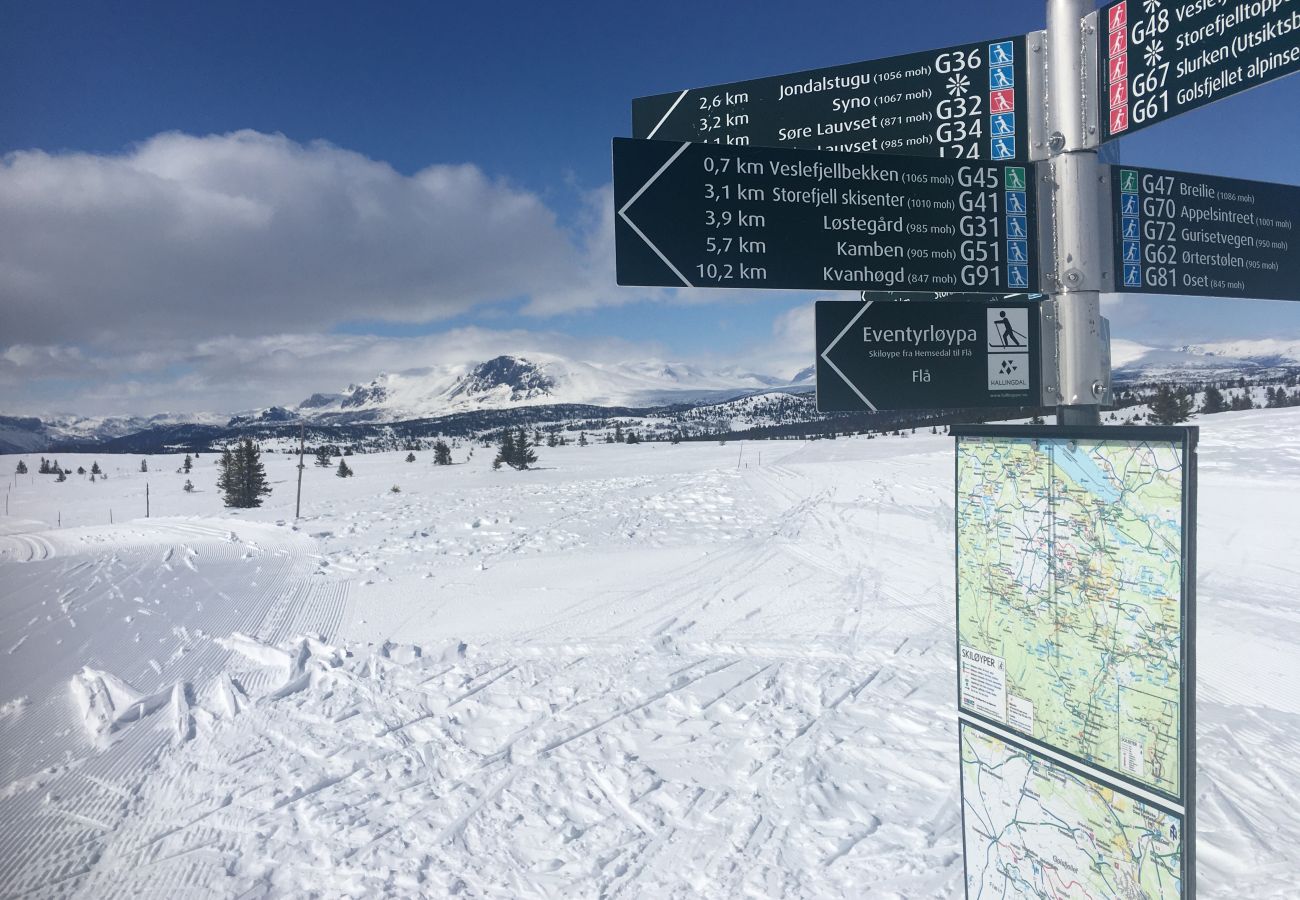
column 512, row 104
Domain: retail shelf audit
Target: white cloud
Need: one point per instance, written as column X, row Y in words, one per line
column 231, row 373
column 249, row 233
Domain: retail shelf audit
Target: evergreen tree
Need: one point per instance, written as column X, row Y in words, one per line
column 243, row 477
column 524, row 455
column 144, row 465
column 505, row 450
column 189, row 486
column 633, row 437
column 81, row 470
column 44, row 468
column 343, row 470
column 618, row 432
column 609, row 438
column 188, row 464
column 552, row 439
column 582, row 439
column 410, row 457
column 1276, row 398
column 441, row 453
column 61, row 477
column 94, row 469
column 22, row 468
column 1169, row 407
column 1213, row 402
column 323, row 457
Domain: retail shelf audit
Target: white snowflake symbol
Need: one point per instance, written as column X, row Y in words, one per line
column 958, row 85
column 1150, row 5
column 1154, row 53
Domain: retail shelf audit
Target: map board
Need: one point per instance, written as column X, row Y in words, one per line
column 1075, row 565
column 1178, row 233
column 1038, row 827
column 966, row 102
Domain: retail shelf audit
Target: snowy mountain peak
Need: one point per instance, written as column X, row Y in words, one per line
column 504, row 377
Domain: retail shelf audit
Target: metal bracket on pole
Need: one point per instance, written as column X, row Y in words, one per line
column 1076, row 183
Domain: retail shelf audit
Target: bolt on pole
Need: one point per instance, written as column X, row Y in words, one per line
column 1077, row 180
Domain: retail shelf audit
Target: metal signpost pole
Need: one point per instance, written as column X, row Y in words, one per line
column 1076, row 179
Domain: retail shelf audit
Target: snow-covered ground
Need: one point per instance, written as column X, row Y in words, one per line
column 691, row 670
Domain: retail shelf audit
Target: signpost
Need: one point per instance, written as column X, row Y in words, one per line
column 966, row 102
column 1202, row 235
column 887, row 355
column 1160, row 58
column 1076, row 544
column 703, row 215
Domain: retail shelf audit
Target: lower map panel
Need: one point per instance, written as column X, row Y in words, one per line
column 1036, row 828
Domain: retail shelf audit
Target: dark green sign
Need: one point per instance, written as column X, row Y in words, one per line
column 1201, row 235
column 1160, row 58
column 705, row 215
column 892, row 355
column 964, row 102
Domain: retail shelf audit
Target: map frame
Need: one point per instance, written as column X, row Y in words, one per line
column 1185, row 439
column 1185, row 816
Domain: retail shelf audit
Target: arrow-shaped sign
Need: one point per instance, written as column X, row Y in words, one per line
column 880, row 355
column 701, row 215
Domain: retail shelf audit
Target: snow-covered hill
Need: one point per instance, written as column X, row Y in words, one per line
column 644, row 671
column 539, row 379
column 1216, row 361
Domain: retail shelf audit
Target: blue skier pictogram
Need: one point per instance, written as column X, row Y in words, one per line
column 1131, row 228
column 1018, row 251
column 1128, row 204
column 1132, row 275
column 1002, row 77
column 1018, row 276
column 1016, row 201
column 1132, row 251
column 1004, row 148
column 1003, row 124
column 1017, row 227
column 1001, row 53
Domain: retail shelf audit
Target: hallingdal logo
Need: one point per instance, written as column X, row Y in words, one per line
column 1008, row 349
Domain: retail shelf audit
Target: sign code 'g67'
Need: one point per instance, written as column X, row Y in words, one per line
column 704, row 215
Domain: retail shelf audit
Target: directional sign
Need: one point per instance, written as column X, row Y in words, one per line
column 882, row 355
column 704, row 215
column 1164, row 57
column 964, row 102
column 1201, row 235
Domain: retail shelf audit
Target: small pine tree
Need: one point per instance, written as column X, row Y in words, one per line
column 62, row 477
column 1213, row 402
column 618, row 432
column 633, row 437
column 441, row 453
column 582, row 439
column 394, row 490
column 189, row 486
column 243, row 477
column 552, row 439
column 1169, row 407
column 323, row 457
column 44, row 468
column 524, row 455
column 410, row 457
column 81, row 470
column 343, row 470
column 22, row 468
column 188, row 464
column 144, row 465
column 94, row 469
column 505, row 450
column 609, row 438
column 347, row 451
